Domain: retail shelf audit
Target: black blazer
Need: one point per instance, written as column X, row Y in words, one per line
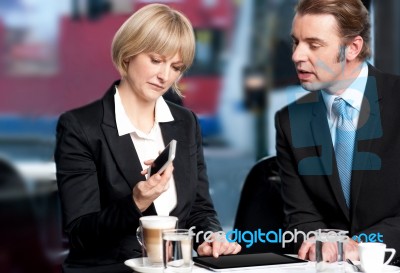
column 310, row 181
column 97, row 170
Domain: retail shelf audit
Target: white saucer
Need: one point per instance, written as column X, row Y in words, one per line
column 386, row 268
column 137, row 265
column 391, row 268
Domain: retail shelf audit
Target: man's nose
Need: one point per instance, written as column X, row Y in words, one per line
column 299, row 54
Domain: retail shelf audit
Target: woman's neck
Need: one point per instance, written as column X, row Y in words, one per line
column 141, row 113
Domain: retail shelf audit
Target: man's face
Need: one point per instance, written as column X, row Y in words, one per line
column 318, row 53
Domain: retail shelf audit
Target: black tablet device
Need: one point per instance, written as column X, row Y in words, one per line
column 238, row 262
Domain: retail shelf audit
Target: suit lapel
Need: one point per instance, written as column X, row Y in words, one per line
column 322, row 137
column 175, row 130
column 369, row 128
column 121, row 147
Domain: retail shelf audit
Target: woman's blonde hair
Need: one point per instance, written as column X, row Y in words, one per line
column 154, row 28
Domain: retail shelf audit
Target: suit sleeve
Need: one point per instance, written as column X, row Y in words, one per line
column 388, row 230
column 202, row 214
column 88, row 224
column 299, row 208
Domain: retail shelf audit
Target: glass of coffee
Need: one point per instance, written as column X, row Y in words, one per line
column 149, row 235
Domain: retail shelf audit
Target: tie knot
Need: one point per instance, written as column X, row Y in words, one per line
column 339, row 107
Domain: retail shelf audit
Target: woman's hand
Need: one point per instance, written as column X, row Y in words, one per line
column 145, row 192
column 218, row 247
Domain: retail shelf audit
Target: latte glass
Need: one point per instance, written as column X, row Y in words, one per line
column 149, row 235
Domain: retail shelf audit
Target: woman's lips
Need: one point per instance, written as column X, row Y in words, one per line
column 157, row 86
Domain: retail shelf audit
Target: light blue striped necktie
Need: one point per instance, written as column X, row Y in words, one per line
column 344, row 145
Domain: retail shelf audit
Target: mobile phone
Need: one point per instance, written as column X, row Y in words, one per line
column 164, row 159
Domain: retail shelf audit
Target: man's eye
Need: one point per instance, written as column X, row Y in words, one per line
column 314, row 46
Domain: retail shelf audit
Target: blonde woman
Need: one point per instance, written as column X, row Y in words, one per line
column 104, row 148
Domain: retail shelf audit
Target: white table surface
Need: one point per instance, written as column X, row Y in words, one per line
column 304, row 268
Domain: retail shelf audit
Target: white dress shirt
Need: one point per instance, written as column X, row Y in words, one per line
column 353, row 95
column 148, row 145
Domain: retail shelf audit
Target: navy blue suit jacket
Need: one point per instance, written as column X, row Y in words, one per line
column 311, row 186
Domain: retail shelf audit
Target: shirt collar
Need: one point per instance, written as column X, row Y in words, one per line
column 163, row 113
column 125, row 126
column 353, row 95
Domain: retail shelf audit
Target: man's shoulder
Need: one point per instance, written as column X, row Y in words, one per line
column 304, row 103
column 382, row 76
column 387, row 84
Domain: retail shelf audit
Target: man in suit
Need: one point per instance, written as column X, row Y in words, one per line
column 338, row 146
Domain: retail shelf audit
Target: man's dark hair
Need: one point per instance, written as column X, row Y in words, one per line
column 351, row 15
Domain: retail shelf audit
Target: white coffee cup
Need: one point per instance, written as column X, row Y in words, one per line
column 149, row 235
column 372, row 256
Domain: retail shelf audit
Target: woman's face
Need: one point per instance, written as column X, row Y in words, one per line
column 150, row 75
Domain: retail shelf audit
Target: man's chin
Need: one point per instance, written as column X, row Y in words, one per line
column 310, row 86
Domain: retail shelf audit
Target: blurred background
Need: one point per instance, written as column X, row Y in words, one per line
column 55, row 55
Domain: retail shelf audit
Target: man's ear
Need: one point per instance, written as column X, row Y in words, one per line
column 354, row 48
